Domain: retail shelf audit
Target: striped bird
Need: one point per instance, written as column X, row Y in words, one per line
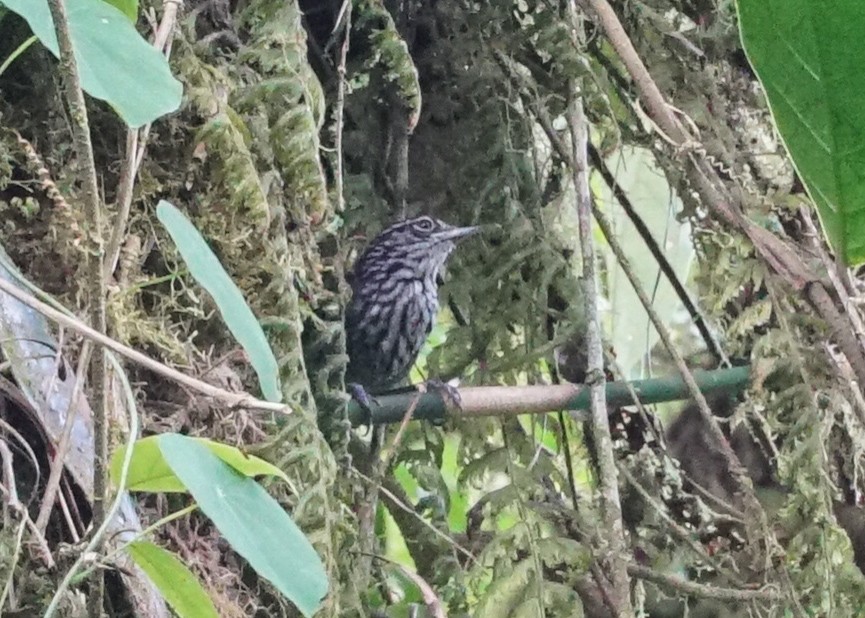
column 395, row 300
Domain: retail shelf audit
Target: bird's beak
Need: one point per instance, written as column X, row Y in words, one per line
column 458, row 232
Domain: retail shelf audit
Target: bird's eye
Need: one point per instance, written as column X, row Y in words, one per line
column 424, row 224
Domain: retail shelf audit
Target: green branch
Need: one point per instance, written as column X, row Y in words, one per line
column 512, row 400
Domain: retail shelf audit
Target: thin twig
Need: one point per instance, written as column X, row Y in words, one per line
column 836, row 275
column 848, row 379
column 239, row 400
column 712, row 343
column 569, row 461
column 11, row 489
column 431, row 600
column 62, row 448
column 684, row 535
column 112, row 556
column 124, row 203
column 404, row 507
column 74, row 522
column 11, row 496
column 390, row 452
column 340, row 105
column 22, row 443
column 645, row 416
column 8, row 591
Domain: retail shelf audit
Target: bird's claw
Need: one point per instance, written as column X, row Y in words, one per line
column 448, row 392
column 364, row 400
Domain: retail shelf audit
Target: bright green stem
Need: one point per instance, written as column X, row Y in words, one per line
column 18, row 51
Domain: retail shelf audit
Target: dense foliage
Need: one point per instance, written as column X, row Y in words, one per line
column 458, row 109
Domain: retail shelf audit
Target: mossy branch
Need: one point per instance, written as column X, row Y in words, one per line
column 95, row 280
column 612, row 535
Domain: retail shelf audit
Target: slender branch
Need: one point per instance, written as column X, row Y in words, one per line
column 10, row 495
column 394, row 502
column 340, row 105
column 96, row 282
column 124, row 203
column 712, row 344
column 8, row 589
column 388, row 453
column 159, row 523
column 613, row 534
column 837, row 275
column 238, row 400
column 681, row 586
column 569, row 461
column 60, row 452
column 136, row 144
column 17, row 52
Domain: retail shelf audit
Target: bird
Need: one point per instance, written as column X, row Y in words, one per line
column 394, row 301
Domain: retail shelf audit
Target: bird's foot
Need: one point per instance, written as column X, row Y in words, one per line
column 448, row 392
column 363, row 399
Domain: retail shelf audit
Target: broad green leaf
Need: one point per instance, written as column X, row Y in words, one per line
column 251, row 520
column 809, row 57
column 205, row 267
column 394, row 541
column 148, row 470
column 127, row 7
column 175, row 581
column 116, row 64
column 450, row 470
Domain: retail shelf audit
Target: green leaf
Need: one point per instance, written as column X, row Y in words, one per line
column 251, row 520
column 205, row 267
column 116, row 64
column 507, row 591
column 178, row 584
column 127, row 7
column 808, row 56
column 148, row 470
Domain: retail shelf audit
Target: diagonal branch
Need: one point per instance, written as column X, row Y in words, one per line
column 240, row 400
column 712, row 344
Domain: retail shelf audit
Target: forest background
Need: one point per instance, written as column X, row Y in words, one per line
column 307, row 127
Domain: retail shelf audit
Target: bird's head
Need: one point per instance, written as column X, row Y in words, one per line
column 418, row 246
